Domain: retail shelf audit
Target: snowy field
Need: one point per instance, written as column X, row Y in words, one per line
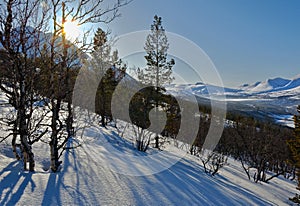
column 95, row 174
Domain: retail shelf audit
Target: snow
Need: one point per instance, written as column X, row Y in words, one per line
column 199, row 89
column 94, row 175
column 286, row 120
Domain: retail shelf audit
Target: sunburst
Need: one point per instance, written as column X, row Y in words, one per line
column 72, row 30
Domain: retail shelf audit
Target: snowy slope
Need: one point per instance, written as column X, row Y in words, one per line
column 91, row 176
column 107, row 170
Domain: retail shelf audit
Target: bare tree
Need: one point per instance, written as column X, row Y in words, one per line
column 62, row 60
column 212, row 161
column 260, row 147
column 20, row 36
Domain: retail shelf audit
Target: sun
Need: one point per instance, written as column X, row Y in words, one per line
column 72, row 30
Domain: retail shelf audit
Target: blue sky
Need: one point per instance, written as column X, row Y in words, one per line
column 248, row 40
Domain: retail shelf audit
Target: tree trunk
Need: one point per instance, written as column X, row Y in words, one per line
column 246, row 169
column 102, row 110
column 69, row 122
column 54, row 153
column 54, row 163
column 138, row 145
column 23, row 128
column 14, row 139
column 103, row 120
column 156, row 141
column 26, row 146
column 273, row 176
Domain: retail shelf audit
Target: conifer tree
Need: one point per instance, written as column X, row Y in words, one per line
column 109, row 70
column 294, row 145
column 100, row 39
column 101, row 63
column 159, row 70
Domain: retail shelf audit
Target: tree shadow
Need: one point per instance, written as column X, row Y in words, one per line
column 56, row 183
column 189, row 185
column 52, row 191
column 10, row 182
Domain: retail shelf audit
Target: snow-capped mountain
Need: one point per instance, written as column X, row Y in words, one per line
column 276, row 87
column 272, row 85
column 269, row 84
column 274, row 99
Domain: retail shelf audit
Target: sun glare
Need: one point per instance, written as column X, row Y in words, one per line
column 72, row 30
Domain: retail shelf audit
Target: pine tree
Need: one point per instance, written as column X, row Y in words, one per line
column 294, row 145
column 101, row 62
column 159, row 70
column 109, row 70
column 100, row 39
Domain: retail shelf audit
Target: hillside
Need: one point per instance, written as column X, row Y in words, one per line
column 96, row 174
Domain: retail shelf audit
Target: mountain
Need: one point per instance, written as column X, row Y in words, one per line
column 268, row 85
column 272, row 98
column 272, row 85
column 275, row 99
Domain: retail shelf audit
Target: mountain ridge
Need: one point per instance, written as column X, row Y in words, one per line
column 274, row 98
column 272, row 85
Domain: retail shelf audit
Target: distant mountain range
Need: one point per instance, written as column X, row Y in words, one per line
column 274, row 99
column 279, row 86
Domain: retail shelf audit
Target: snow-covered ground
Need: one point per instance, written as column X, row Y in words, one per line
column 94, row 174
column 286, row 120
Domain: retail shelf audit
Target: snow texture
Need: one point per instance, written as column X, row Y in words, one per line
column 88, row 177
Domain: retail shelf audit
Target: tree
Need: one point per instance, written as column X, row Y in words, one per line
column 100, row 39
column 102, row 62
column 259, row 146
column 20, row 36
column 63, row 54
column 159, row 70
column 294, row 145
column 108, row 70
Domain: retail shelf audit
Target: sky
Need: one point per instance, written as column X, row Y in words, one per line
column 247, row 40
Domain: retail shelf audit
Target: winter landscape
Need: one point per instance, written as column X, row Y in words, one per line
column 95, row 112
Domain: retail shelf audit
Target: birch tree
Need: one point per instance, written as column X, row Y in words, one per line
column 20, row 38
